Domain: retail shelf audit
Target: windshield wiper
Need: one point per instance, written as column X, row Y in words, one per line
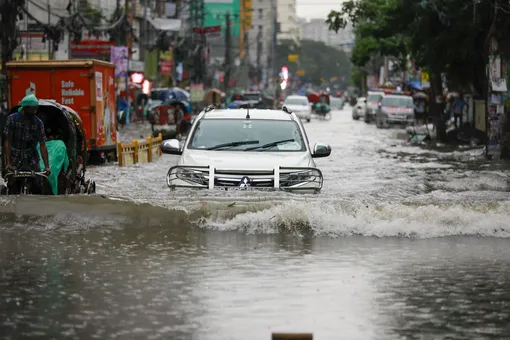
column 233, row 144
column 270, row 145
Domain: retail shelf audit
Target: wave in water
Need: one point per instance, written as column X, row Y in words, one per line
column 327, row 218
column 330, row 219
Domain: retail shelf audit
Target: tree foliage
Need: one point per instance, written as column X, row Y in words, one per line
column 441, row 36
column 93, row 15
column 317, row 60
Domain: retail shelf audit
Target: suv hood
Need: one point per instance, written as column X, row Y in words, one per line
column 249, row 160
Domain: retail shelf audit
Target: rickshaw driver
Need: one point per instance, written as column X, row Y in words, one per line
column 23, row 130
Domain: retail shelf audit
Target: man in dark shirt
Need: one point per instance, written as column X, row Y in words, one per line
column 23, row 130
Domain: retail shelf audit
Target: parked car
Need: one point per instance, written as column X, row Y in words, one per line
column 300, row 106
column 359, row 110
column 246, row 149
column 395, row 109
column 373, row 99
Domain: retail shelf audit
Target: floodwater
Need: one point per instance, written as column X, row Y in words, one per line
column 403, row 243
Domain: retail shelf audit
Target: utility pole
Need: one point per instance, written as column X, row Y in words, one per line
column 259, row 55
column 203, row 42
column 228, row 43
column 246, row 61
column 128, row 45
column 273, row 72
column 173, row 74
column 50, row 43
column 145, row 30
column 9, row 10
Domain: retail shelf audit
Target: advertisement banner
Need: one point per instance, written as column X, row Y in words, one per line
column 196, row 92
column 119, row 58
column 91, row 49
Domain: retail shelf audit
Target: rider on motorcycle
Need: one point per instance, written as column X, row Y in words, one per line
column 23, row 130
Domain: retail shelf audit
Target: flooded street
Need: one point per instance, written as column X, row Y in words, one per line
column 402, row 243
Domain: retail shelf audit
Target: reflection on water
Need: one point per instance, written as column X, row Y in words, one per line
column 169, row 282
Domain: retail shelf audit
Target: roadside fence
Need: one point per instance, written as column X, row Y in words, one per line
column 139, row 151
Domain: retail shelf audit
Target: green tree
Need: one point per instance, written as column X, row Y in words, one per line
column 93, row 15
column 317, row 60
column 442, row 36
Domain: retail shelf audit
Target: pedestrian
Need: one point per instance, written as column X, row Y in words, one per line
column 458, row 110
column 23, row 131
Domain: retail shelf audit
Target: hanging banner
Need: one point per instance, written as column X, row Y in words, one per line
column 119, row 58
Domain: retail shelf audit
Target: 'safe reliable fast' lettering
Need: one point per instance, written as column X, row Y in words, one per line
column 68, row 92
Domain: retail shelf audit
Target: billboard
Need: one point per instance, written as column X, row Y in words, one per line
column 215, row 11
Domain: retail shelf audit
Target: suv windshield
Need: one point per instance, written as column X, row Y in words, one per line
column 296, row 101
column 373, row 98
column 406, row 102
column 211, row 133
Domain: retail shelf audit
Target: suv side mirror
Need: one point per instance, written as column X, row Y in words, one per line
column 321, row 150
column 171, row 147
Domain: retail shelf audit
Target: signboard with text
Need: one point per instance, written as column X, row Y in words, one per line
column 91, row 49
column 216, row 10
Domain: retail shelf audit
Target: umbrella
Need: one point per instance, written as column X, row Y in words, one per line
column 181, row 91
column 175, row 94
column 184, row 103
column 416, row 84
column 313, row 97
column 420, row 95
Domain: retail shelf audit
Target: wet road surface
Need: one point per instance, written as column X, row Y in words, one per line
column 402, row 243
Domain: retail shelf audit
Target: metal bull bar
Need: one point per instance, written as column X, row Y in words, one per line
column 277, row 178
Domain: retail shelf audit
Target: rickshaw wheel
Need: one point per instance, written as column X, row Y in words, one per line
column 91, row 187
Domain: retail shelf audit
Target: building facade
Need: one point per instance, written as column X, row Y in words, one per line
column 33, row 44
column 260, row 36
column 287, row 20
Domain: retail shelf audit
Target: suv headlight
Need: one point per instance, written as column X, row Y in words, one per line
column 193, row 176
column 300, row 177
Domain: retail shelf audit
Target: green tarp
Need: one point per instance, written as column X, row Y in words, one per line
column 57, row 156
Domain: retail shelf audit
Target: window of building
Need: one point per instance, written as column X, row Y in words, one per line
column 261, row 13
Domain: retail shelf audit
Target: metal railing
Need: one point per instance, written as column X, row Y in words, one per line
column 24, row 174
column 278, row 178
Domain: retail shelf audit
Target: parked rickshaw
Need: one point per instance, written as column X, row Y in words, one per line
column 67, row 153
column 171, row 119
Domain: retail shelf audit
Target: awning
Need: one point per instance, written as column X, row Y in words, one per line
column 169, row 25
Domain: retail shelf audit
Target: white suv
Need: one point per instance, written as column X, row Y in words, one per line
column 246, row 149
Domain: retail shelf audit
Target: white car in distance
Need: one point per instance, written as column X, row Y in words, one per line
column 360, row 108
column 246, row 149
column 300, row 106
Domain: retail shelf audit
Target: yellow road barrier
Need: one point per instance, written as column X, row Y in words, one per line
column 140, row 151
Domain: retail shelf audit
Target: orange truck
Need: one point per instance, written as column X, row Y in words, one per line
column 87, row 86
